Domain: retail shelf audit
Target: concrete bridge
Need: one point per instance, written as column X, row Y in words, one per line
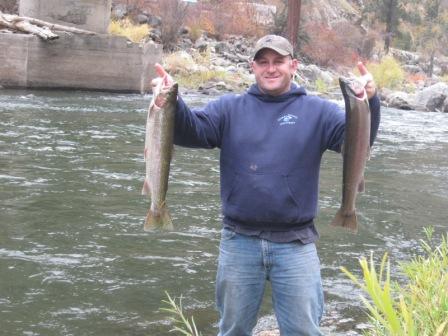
column 74, row 61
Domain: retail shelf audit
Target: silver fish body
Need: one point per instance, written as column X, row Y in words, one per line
column 158, row 153
column 356, row 152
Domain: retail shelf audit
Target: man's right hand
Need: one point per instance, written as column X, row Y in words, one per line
column 166, row 82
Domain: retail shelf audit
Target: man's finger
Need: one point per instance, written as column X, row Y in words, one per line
column 160, row 70
column 362, row 69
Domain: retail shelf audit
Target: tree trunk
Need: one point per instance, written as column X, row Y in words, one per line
column 37, row 27
column 431, row 63
column 294, row 7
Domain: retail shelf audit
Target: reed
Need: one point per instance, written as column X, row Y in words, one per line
column 418, row 307
column 182, row 324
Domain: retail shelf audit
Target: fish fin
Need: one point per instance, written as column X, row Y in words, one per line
column 160, row 220
column 146, row 189
column 362, row 185
column 348, row 221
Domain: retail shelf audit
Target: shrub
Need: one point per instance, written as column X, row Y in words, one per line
column 126, row 28
column 419, row 307
column 326, row 47
column 388, row 73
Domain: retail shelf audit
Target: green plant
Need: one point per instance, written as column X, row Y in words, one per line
column 388, row 73
column 182, row 323
column 320, row 85
column 417, row 308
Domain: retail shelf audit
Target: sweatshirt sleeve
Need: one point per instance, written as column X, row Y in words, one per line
column 336, row 124
column 198, row 128
column 375, row 117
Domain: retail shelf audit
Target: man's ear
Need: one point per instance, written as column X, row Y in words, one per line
column 295, row 64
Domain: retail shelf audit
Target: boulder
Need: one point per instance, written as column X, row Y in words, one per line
column 433, row 97
column 413, row 69
column 445, row 105
column 400, row 100
column 142, row 19
column 313, row 72
column 119, row 12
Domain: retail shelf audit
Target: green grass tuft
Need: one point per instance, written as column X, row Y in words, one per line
column 417, row 308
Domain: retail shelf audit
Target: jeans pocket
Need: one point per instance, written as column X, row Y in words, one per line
column 227, row 234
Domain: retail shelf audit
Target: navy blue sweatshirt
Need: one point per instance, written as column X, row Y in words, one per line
column 271, row 149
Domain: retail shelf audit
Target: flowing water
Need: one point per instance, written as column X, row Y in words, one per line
column 74, row 259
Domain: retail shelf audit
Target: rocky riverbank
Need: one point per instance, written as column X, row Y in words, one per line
column 232, row 56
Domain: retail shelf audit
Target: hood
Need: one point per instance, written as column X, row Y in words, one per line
column 295, row 91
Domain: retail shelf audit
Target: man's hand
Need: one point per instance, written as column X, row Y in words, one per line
column 370, row 86
column 165, row 81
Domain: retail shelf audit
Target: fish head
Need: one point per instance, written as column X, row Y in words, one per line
column 354, row 87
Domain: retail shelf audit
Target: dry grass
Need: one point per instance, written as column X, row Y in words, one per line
column 126, row 28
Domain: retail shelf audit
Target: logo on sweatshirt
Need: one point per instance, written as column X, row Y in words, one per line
column 288, row 119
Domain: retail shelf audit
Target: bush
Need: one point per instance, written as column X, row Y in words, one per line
column 388, row 73
column 419, row 307
column 327, row 48
column 126, row 28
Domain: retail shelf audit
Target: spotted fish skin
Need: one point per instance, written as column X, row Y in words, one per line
column 158, row 152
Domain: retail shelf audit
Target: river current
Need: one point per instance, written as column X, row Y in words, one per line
column 74, row 259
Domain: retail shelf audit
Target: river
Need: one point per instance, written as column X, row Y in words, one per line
column 74, row 259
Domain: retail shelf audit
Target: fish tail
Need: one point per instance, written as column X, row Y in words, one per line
column 158, row 220
column 348, row 221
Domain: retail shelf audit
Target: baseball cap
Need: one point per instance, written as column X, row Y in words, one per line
column 274, row 42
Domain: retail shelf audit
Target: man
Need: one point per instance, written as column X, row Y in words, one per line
column 272, row 139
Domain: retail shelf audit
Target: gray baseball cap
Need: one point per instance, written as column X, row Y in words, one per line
column 274, row 42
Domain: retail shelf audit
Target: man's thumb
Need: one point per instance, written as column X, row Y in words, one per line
column 160, row 70
column 362, row 69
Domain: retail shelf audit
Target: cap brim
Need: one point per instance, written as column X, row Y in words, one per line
column 277, row 50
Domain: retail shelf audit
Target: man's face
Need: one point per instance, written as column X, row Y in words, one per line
column 273, row 72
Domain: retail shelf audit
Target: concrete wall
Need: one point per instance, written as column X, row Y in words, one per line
column 77, row 62
column 85, row 14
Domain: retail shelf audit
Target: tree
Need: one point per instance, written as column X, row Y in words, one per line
column 388, row 12
column 432, row 35
column 293, row 21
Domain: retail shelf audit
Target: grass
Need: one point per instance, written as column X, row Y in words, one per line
column 182, row 324
column 126, row 28
column 417, row 308
column 195, row 70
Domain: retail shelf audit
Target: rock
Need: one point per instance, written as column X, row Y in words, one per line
column 405, row 57
column 444, row 106
column 413, row 68
column 313, row 72
column 154, row 20
column 400, row 100
column 142, row 18
column 433, row 97
column 201, row 44
column 119, row 12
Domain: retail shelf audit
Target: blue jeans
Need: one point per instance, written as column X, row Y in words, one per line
column 245, row 263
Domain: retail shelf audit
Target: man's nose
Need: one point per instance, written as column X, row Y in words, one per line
column 271, row 67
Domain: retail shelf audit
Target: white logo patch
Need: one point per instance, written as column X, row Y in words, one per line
column 288, row 119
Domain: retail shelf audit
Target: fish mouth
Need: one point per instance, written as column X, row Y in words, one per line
column 352, row 87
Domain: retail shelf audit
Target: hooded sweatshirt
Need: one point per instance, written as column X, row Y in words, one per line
column 271, row 149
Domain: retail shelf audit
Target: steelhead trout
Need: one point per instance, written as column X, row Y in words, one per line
column 356, row 149
column 158, row 152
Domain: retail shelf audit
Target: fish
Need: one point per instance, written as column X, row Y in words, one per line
column 355, row 150
column 159, row 144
